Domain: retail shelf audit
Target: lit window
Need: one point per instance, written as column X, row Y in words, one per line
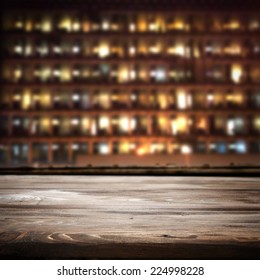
column 213, row 147
column 75, row 72
column 65, row 24
column 133, row 123
column 123, row 122
column 241, row 147
column 152, row 26
column 103, row 122
column 45, row 73
column 133, row 74
column 18, row 23
column 210, row 98
column 75, row 146
column 181, row 100
column 76, row 49
column 17, row 97
column 257, row 49
column 182, row 124
column 163, row 100
column 124, row 148
column 177, row 24
column 65, row 74
column 160, row 75
column 16, row 150
column 18, row 49
column 154, row 49
column 55, row 122
column 103, row 148
column 42, row 49
column 236, row 73
column 208, row 49
column 141, row 151
column 75, row 121
column 178, row 50
column 254, row 24
column 55, row 146
column 133, row 97
column 56, row 73
column 233, row 49
column 123, row 74
column 26, row 103
column 132, row 51
column 104, row 50
column 256, row 123
column 76, row 25
column 47, row 25
column 28, row 50
column 16, row 122
column 105, row 25
column 186, row 149
column 231, row 127
column 57, row 49
column 75, row 97
column 156, row 148
column 93, row 128
column 132, row 27
column 222, row 148
column 17, row 73
column 234, row 24
column 45, row 124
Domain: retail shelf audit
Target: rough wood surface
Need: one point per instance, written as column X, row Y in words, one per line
column 129, row 217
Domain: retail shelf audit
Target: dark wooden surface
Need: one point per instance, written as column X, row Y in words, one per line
column 117, row 217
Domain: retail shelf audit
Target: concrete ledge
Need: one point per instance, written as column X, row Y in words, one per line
column 230, row 171
column 168, row 160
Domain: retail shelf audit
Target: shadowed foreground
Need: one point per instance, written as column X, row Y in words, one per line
column 109, row 217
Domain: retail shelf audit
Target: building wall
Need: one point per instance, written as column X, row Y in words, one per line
column 159, row 83
column 168, row 160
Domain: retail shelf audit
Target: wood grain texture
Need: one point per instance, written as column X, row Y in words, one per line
column 129, row 217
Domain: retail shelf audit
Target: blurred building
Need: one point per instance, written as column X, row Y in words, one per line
column 130, row 83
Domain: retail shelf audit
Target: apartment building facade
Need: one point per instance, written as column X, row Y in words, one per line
column 130, row 83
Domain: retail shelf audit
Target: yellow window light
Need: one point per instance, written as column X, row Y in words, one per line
column 123, row 74
column 17, row 97
column 141, row 151
column 182, row 124
column 47, row 25
column 55, row 121
column 26, row 103
column 76, row 26
column 123, row 121
column 132, row 50
column 66, row 24
column 186, row 149
column 178, row 50
column 233, row 25
column 124, row 147
column 46, row 99
column 85, row 123
column 45, row 123
column 181, row 100
column 103, row 148
column 162, row 100
column 132, row 27
column 75, row 121
column 65, row 74
column 105, row 25
column 104, row 122
column 103, row 50
column 236, row 73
